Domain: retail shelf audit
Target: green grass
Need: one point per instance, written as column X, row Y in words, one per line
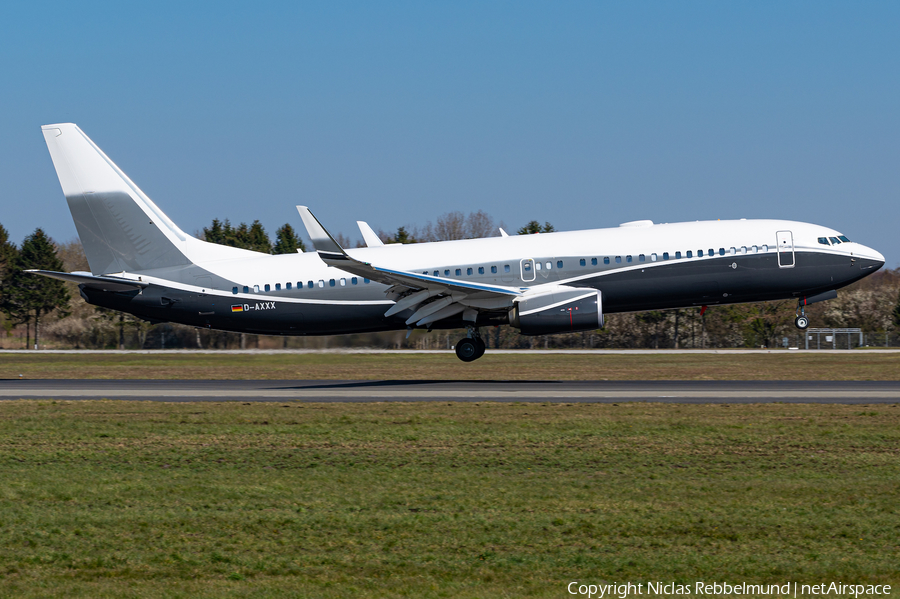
column 141, row 499
column 779, row 365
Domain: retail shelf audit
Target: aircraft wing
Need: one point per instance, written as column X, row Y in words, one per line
column 85, row 278
column 452, row 296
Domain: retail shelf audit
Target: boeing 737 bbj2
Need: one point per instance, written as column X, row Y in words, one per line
column 143, row 264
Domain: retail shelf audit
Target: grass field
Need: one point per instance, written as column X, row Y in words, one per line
column 725, row 366
column 141, row 499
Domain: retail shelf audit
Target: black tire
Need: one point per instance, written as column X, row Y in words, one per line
column 467, row 350
column 479, row 343
column 802, row 323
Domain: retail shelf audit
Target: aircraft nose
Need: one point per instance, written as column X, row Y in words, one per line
column 870, row 259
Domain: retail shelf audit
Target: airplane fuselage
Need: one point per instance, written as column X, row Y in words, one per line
column 635, row 267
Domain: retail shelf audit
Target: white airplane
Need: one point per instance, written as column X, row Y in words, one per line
column 143, row 264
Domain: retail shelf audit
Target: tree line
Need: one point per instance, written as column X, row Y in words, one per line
column 42, row 309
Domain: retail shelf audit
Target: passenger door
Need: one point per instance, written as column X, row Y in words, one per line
column 527, row 268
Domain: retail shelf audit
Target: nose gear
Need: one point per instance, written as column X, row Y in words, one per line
column 801, row 322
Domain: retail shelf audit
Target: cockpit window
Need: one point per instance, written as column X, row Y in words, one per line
column 823, row 240
column 834, row 240
column 843, row 238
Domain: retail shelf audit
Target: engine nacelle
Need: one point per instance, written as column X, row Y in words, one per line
column 560, row 310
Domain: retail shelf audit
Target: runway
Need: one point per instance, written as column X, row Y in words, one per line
column 837, row 392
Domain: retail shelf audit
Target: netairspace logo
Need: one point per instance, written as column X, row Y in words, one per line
column 719, row 589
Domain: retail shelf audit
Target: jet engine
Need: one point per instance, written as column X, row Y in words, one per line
column 559, row 310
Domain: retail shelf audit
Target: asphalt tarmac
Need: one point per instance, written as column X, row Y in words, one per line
column 838, row 392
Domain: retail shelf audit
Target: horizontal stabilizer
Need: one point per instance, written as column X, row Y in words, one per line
column 89, row 280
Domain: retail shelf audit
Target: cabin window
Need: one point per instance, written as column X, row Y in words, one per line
column 458, row 272
column 549, row 266
column 537, row 266
column 677, row 255
column 732, row 251
column 246, row 289
column 843, row 238
column 753, row 249
column 765, row 247
column 234, row 290
column 506, row 268
column 642, row 258
column 606, row 260
column 481, row 270
column 652, row 257
column 559, row 264
column 277, row 286
column 699, row 253
column 437, row 273
column 468, row 271
column 331, row 282
column 721, row 251
column 665, row 255
column 834, row 240
column 627, row 258
column 593, row 262
column 268, row 287
column 354, row 281
column 689, row 254
column 823, row 240
column 711, row 252
column 309, row 284
column 582, row 262
column 287, row 286
column 366, row 281
column 446, row 272
column 321, row 283
column 743, row 249
column 343, row 282
column 618, row 259
column 256, row 289
column 494, row 269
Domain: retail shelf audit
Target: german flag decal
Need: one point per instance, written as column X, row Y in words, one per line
column 237, row 308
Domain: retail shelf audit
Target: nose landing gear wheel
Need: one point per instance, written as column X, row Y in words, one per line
column 802, row 323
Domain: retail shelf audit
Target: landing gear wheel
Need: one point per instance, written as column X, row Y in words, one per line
column 480, row 345
column 467, row 350
column 802, row 323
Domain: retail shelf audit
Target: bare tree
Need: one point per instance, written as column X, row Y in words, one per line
column 480, row 224
column 451, row 225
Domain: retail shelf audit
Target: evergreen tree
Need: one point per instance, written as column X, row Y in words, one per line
column 403, row 236
column 28, row 297
column 216, row 232
column 536, row 227
column 7, row 252
column 287, row 241
column 253, row 237
column 259, row 239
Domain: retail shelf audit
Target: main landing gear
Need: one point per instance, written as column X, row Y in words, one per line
column 801, row 322
column 470, row 348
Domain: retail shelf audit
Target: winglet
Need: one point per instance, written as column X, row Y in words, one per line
column 368, row 234
column 321, row 239
column 503, row 233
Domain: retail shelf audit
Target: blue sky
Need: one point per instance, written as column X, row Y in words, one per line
column 582, row 114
